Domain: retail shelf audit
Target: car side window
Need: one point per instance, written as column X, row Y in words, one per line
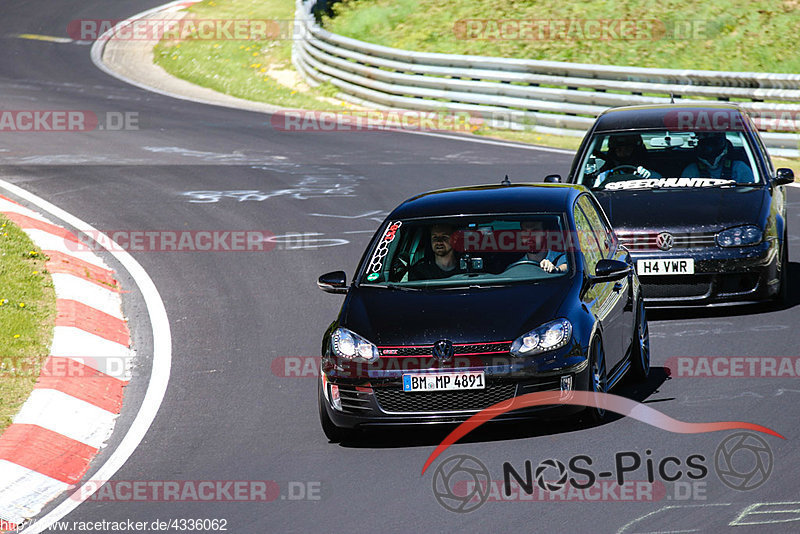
column 602, row 231
column 587, row 240
column 761, row 147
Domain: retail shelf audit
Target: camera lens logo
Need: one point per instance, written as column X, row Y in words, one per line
column 461, row 483
column 546, row 484
column 743, row 461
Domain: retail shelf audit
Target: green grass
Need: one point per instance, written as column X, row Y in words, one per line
column 27, row 313
column 728, row 35
column 238, row 68
column 758, row 38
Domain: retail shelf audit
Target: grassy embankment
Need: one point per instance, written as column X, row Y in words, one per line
column 27, row 313
column 718, row 36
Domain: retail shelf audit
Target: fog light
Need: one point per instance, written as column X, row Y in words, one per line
column 566, row 386
column 336, row 401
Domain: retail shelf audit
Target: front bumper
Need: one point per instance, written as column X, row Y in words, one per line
column 740, row 274
column 371, row 403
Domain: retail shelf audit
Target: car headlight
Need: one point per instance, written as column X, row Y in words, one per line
column 350, row 346
column 741, row 236
column 549, row 336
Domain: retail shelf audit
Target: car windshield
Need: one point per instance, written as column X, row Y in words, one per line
column 468, row 251
column 654, row 159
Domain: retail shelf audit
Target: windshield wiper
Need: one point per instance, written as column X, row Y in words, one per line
column 393, row 287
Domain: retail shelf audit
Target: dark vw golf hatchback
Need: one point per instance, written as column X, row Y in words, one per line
column 466, row 298
column 693, row 195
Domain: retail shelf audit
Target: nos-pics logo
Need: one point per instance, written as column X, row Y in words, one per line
column 742, row 461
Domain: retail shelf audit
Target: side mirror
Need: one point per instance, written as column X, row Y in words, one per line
column 610, row 270
column 552, row 179
column 335, row 282
column 784, row 176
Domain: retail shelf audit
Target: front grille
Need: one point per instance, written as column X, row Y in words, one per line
column 677, row 287
column 396, row 400
column 484, row 348
column 458, row 348
column 642, row 241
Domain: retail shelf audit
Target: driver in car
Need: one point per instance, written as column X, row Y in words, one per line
column 625, row 154
column 445, row 261
column 715, row 161
column 550, row 261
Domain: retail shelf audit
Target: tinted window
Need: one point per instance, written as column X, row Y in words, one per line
column 468, row 250
column 588, row 243
column 660, row 158
column 601, row 230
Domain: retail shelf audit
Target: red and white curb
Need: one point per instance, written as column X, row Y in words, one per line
column 72, row 411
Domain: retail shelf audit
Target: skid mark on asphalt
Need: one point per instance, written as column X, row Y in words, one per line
column 705, row 328
column 371, row 215
column 215, row 157
column 747, row 395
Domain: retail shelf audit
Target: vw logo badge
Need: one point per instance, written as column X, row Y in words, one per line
column 665, row 241
column 443, row 350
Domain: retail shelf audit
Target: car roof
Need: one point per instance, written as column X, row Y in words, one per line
column 653, row 116
column 481, row 199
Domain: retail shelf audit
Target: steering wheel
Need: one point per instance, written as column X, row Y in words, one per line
column 523, row 262
column 620, row 167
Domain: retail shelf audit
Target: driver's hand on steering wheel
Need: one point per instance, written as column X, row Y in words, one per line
column 547, row 266
column 641, row 171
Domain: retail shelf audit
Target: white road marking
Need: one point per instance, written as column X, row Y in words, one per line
column 754, row 509
column 24, row 491
column 71, row 287
column 159, row 376
column 626, row 526
column 69, row 341
column 66, row 415
column 6, row 205
column 47, row 241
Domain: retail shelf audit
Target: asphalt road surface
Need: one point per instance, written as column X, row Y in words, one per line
column 229, row 415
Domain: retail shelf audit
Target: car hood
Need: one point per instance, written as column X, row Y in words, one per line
column 391, row 317
column 712, row 207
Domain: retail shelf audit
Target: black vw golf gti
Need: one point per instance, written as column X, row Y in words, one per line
column 692, row 193
column 468, row 297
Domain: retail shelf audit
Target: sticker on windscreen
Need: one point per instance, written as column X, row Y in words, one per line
column 376, row 263
column 655, row 183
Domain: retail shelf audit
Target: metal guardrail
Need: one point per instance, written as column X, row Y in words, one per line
column 546, row 96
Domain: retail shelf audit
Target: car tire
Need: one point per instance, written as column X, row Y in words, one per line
column 598, row 380
column 640, row 348
column 335, row 434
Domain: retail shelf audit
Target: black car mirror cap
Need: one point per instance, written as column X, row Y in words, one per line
column 334, row 282
column 610, row 270
column 552, row 179
column 784, row 176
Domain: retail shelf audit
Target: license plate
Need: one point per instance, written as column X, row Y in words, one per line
column 444, row 381
column 665, row 266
